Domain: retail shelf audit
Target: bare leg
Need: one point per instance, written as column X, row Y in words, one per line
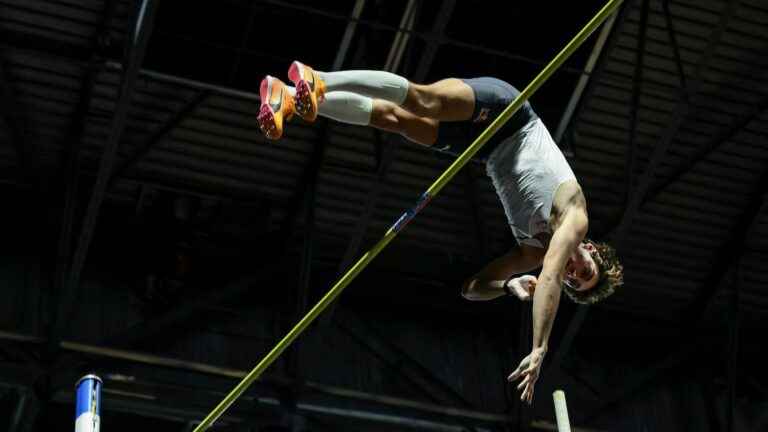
column 391, row 118
column 488, row 283
column 446, row 100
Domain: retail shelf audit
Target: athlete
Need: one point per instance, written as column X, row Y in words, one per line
column 542, row 199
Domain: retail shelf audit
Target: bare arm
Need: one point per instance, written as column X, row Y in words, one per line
column 488, row 283
column 546, row 299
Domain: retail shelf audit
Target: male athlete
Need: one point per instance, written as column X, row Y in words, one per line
column 543, row 202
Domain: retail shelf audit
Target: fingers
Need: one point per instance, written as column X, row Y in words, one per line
column 529, row 370
column 518, row 372
column 527, row 384
column 524, row 382
column 527, row 394
column 523, row 366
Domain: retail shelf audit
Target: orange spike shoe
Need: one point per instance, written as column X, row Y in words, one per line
column 310, row 90
column 277, row 107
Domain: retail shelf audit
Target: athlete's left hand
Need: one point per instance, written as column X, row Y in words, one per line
column 529, row 370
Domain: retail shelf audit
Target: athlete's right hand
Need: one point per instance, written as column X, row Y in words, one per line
column 524, row 286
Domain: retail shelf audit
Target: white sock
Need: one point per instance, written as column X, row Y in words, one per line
column 371, row 83
column 347, row 107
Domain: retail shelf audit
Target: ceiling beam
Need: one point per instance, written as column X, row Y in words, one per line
column 158, row 135
column 349, row 33
column 730, row 252
column 574, row 324
column 11, row 112
column 724, row 262
column 689, row 163
column 140, row 38
column 389, row 155
column 637, row 81
column 680, row 114
column 73, row 141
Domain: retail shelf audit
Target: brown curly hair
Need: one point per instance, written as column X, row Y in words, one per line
column 611, row 275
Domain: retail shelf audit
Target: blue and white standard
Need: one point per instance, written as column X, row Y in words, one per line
column 88, row 404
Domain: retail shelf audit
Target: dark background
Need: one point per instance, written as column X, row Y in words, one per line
column 151, row 235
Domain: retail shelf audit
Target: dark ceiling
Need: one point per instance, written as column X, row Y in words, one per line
column 153, row 176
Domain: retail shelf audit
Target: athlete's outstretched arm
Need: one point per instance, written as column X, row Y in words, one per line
column 488, row 283
column 546, row 299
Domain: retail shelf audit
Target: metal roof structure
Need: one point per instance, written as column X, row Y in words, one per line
column 129, row 132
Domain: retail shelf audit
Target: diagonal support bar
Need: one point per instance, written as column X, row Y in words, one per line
column 725, row 257
column 574, row 325
column 424, row 380
column 433, row 190
column 675, row 48
column 703, row 301
column 680, row 114
column 349, row 33
column 142, row 34
column 636, row 87
column 390, row 151
column 689, row 163
column 11, row 113
column 171, row 124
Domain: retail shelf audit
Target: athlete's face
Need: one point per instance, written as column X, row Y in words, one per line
column 581, row 271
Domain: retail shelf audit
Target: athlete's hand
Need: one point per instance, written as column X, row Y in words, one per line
column 524, row 287
column 529, row 371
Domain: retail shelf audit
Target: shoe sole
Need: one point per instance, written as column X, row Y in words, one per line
column 305, row 104
column 266, row 117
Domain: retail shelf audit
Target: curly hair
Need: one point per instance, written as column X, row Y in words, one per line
column 611, row 275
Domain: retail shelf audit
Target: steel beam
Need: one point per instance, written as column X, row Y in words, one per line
column 147, row 331
column 689, row 163
column 23, row 376
column 584, row 79
column 349, row 33
column 141, row 35
column 161, row 133
column 11, row 113
column 397, row 49
column 361, row 228
column 640, row 379
column 157, row 326
column 17, row 419
column 431, row 387
column 429, row 37
column 574, row 325
column 727, row 260
column 733, row 348
column 635, row 106
column 306, row 197
column 74, row 142
column 681, row 112
column 675, row 49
